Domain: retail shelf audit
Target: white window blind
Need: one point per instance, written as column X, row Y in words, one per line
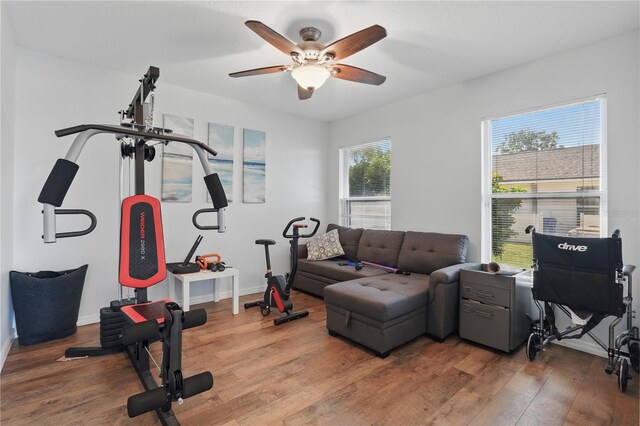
column 545, row 168
column 365, row 191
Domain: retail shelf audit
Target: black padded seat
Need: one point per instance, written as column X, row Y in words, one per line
column 266, row 242
column 145, row 311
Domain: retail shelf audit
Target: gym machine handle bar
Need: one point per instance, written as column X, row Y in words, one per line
column 298, row 219
column 87, row 213
column 220, row 225
column 157, row 134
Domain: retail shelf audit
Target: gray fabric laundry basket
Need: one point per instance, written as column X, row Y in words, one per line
column 46, row 303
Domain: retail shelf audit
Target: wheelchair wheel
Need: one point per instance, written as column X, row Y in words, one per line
column 265, row 311
column 623, row 375
column 532, row 346
column 634, row 355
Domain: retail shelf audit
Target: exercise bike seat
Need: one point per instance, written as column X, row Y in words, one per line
column 265, row 242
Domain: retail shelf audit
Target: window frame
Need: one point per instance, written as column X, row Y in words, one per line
column 486, row 169
column 344, row 217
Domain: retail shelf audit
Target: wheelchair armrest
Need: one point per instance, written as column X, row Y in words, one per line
column 627, row 270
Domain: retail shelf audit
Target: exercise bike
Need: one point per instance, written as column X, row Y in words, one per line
column 278, row 292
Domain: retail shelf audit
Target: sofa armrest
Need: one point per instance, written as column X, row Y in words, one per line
column 302, row 251
column 442, row 313
column 448, row 275
column 451, row 273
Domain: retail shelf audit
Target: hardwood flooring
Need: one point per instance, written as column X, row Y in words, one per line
column 297, row 374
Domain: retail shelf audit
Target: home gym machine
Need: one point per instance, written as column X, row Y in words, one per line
column 278, row 292
column 133, row 323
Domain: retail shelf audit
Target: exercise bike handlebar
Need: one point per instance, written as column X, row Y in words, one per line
column 295, row 235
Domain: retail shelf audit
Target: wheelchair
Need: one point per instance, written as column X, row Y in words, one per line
column 585, row 279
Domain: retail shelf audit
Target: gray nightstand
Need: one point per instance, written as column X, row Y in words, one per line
column 493, row 308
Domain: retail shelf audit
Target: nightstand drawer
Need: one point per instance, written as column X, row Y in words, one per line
column 485, row 293
column 485, row 324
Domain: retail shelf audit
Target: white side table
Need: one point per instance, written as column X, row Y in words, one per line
column 187, row 279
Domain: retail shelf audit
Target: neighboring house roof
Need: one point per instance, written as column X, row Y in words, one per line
column 562, row 163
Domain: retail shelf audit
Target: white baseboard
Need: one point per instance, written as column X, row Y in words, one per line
column 6, row 348
column 583, row 345
column 88, row 319
column 223, row 295
column 243, row 291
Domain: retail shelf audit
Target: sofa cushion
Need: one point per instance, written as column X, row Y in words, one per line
column 325, row 246
column 380, row 247
column 381, row 298
column 349, row 239
column 425, row 252
column 330, row 269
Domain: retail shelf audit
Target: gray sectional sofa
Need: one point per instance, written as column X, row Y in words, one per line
column 382, row 310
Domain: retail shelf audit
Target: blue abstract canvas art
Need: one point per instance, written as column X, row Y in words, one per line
column 254, row 166
column 221, row 139
column 177, row 161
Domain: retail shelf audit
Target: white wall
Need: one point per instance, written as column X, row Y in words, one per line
column 54, row 93
column 7, row 88
column 436, row 160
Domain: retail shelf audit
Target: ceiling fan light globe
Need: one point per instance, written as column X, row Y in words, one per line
column 310, row 76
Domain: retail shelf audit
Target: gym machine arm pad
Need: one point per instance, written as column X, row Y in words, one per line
column 58, row 182
column 214, row 186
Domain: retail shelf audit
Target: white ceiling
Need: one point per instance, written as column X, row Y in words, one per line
column 429, row 44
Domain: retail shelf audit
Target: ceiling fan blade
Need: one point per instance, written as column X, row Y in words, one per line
column 355, row 42
column 276, row 40
column 304, row 93
column 259, row 71
column 347, row 72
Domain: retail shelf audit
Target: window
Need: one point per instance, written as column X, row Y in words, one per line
column 365, row 176
column 545, row 168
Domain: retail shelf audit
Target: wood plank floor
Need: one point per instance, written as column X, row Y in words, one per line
column 296, row 374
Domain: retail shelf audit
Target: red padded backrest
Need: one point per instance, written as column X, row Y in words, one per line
column 142, row 262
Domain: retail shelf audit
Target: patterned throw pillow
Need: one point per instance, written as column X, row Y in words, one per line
column 325, row 246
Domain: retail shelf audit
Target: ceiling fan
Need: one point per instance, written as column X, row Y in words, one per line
column 314, row 62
